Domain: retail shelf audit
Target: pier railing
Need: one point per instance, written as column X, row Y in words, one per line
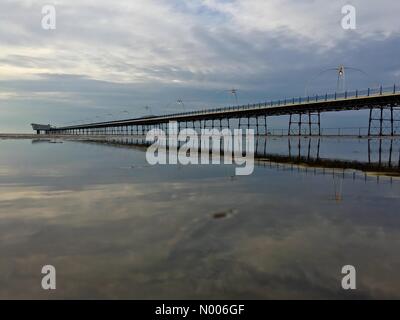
column 370, row 92
column 336, row 131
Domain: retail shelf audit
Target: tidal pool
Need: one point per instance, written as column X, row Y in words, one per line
column 115, row 227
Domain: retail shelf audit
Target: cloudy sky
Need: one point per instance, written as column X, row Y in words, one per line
column 107, row 57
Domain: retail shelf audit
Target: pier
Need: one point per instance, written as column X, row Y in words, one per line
column 304, row 114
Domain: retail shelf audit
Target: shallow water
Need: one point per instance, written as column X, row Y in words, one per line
column 115, row 227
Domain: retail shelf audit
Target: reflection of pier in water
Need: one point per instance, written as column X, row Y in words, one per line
column 382, row 154
column 381, row 158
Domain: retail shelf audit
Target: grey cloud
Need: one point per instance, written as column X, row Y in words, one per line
column 108, row 57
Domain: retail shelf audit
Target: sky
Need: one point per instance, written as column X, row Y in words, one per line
column 116, row 59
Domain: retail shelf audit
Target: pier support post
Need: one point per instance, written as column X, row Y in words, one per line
column 384, row 120
column 313, row 123
column 265, row 125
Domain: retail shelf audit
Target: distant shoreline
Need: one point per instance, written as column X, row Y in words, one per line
column 96, row 137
